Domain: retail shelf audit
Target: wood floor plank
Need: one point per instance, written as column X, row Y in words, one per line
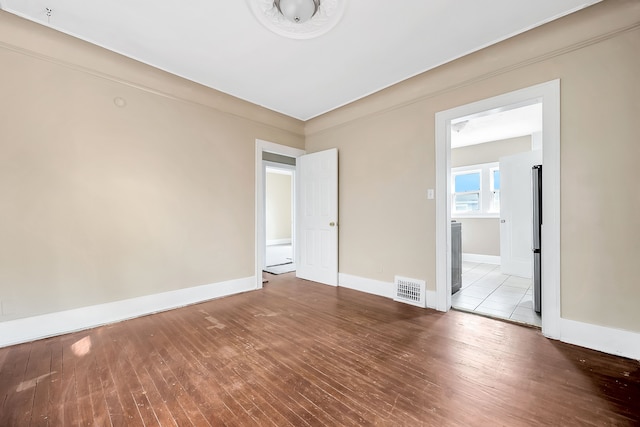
column 233, row 385
column 309, row 363
column 121, row 368
column 69, row 402
column 40, row 377
column 250, row 347
column 146, row 395
column 106, row 354
column 182, row 352
column 292, row 363
column 190, row 376
column 96, row 393
column 242, row 404
column 55, row 412
column 297, row 353
column 18, row 396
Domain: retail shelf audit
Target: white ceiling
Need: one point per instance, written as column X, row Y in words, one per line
column 497, row 125
column 222, row 45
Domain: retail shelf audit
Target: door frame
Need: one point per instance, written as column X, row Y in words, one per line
column 260, row 227
column 549, row 94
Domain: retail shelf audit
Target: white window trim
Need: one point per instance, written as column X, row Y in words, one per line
column 486, row 180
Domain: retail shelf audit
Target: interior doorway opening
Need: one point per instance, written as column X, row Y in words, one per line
column 268, row 152
column 548, row 94
column 492, row 153
column 316, row 232
column 280, row 215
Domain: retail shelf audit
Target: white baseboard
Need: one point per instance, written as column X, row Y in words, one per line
column 431, row 299
column 377, row 287
column 483, row 259
column 370, row 286
column 601, row 338
column 63, row 322
column 278, row 242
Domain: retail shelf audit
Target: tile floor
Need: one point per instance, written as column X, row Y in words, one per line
column 485, row 290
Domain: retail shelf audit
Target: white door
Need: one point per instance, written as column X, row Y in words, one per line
column 516, row 257
column 317, row 213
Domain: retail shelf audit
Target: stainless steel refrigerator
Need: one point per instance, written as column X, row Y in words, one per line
column 536, row 186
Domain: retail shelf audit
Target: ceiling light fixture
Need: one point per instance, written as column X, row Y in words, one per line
column 457, row 127
column 297, row 11
column 298, row 19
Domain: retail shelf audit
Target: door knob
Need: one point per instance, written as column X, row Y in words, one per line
column 503, row 221
column 332, row 224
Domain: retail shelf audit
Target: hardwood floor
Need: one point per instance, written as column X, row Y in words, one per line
column 299, row 353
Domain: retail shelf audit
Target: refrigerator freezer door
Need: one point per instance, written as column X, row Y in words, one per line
column 536, row 187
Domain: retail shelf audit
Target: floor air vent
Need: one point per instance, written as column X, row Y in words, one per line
column 410, row 291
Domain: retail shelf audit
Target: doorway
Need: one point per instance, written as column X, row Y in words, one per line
column 492, row 153
column 279, row 214
column 317, row 197
column 548, row 94
column 271, row 151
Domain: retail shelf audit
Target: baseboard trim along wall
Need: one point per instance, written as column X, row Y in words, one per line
column 479, row 258
column 274, row 242
column 63, row 322
column 601, row 338
column 377, row 287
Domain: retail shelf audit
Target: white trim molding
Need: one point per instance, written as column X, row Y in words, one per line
column 64, row 322
column 377, row 287
column 482, row 259
column 369, row 286
column 601, row 338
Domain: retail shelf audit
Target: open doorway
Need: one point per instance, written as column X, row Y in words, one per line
column 279, row 215
column 492, row 154
column 316, row 183
column 549, row 95
column 269, row 152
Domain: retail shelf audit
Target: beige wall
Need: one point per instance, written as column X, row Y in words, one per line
column 489, row 152
column 481, row 236
column 386, row 145
column 278, row 206
column 101, row 203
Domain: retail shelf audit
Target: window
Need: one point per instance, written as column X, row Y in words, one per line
column 476, row 190
column 466, row 193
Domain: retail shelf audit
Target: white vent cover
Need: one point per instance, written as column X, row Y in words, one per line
column 410, row 291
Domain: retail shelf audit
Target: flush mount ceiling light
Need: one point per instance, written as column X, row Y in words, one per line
column 297, row 11
column 457, row 127
column 298, row 19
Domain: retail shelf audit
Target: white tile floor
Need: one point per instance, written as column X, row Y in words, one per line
column 486, row 290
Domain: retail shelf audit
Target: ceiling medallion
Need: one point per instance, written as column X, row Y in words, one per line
column 326, row 17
